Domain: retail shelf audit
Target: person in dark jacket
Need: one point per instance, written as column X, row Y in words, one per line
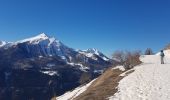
column 162, row 56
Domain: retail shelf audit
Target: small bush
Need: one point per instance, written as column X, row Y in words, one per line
column 127, row 59
column 119, row 56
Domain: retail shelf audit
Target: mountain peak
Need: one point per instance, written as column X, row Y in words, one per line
column 93, row 50
column 42, row 35
column 36, row 39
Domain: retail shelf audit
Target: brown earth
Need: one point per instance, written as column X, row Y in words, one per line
column 104, row 87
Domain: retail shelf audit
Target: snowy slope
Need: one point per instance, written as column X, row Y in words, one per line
column 4, row 44
column 35, row 40
column 149, row 81
column 167, row 53
column 76, row 92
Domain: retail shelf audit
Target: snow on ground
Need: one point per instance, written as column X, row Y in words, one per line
column 51, row 73
column 82, row 67
column 149, row 81
column 76, row 92
column 120, row 68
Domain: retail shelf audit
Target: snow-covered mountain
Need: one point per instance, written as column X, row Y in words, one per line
column 44, row 61
column 6, row 45
column 43, row 45
column 2, row 43
column 93, row 53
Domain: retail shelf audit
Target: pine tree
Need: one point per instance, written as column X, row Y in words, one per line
column 148, row 51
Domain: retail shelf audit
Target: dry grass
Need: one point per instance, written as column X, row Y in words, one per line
column 103, row 87
column 54, row 98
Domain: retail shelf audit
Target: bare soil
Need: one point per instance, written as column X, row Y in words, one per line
column 104, row 87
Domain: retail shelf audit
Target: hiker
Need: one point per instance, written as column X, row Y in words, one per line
column 162, row 56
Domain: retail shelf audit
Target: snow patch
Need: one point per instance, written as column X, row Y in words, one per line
column 51, row 73
column 50, row 65
column 98, row 71
column 120, row 68
column 63, row 57
column 40, row 56
column 75, row 93
column 82, row 67
column 106, row 59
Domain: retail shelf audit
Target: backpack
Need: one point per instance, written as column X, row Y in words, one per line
column 162, row 54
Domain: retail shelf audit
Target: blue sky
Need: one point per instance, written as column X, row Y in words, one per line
column 107, row 25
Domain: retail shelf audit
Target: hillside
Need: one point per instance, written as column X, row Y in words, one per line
column 98, row 89
column 148, row 81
